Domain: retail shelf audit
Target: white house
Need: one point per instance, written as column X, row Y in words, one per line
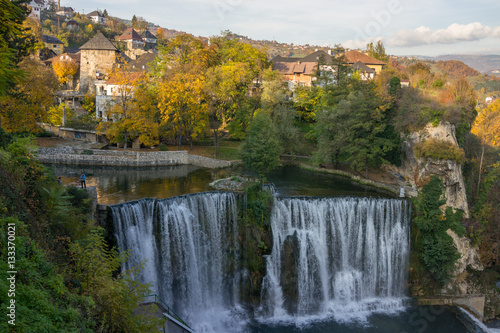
column 97, row 17
column 36, row 8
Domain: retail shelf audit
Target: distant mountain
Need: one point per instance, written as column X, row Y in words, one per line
column 486, row 64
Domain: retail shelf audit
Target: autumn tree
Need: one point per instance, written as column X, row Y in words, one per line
column 65, row 70
column 487, row 128
column 181, row 103
column 32, row 99
column 133, row 113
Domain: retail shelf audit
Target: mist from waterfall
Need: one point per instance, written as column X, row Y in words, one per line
column 330, row 256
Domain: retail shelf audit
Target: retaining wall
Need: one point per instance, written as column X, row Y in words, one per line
column 473, row 303
column 69, row 155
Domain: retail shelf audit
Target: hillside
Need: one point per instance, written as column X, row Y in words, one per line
column 486, row 64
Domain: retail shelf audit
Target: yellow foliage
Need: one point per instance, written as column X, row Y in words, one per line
column 487, row 125
column 181, row 103
column 64, row 69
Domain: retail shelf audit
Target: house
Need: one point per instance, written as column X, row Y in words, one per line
column 98, row 56
column 365, row 72
column 404, row 83
column 149, row 39
column 72, row 25
column 132, row 39
column 354, row 56
column 53, row 43
column 120, row 86
column 300, row 71
column 36, row 8
column 65, row 11
column 96, row 17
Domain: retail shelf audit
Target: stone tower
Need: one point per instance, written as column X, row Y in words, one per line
column 98, row 56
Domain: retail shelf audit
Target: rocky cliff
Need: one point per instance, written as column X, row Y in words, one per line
column 418, row 171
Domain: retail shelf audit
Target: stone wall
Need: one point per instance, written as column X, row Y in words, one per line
column 111, row 157
column 93, row 61
column 473, row 303
column 69, row 155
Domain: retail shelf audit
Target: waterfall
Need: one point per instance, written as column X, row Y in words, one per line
column 190, row 248
column 336, row 256
column 330, row 256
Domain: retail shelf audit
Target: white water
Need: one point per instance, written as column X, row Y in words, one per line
column 189, row 244
column 351, row 257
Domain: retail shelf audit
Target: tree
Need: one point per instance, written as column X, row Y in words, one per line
column 181, row 103
column 34, row 95
column 261, row 150
column 355, row 130
column 15, row 41
column 377, row 51
column 133, row 111
column 65, row 70
column 487, row 128
column 434, row 245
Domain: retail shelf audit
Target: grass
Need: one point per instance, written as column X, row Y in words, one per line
column 228, row 150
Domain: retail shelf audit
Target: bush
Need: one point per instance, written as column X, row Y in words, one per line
column 163, row 147
column 439, row 150
column 434, row 246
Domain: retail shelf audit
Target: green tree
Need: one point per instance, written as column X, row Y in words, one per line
column 354, row 130
column 377, row 51
column 434, row 245
column 15, row 41
column 261, row 149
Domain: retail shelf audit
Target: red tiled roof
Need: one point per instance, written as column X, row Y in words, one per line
column 290, row 68
column 355, row 56
column 130, row 34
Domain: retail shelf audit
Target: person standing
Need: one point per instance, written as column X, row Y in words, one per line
column 82, row 180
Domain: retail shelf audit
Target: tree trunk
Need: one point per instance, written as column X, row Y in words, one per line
column 480, row 169
column 125, row 143
column 216, row 142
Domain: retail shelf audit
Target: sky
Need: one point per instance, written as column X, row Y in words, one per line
column 406, row 27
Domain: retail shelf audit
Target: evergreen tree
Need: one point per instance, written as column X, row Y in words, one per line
column 261, row 150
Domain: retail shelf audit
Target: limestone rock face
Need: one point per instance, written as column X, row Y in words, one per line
column 469, row 257
column 417, row 171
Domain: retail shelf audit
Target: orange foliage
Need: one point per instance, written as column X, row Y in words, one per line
column 64, row 69
column 455, row 68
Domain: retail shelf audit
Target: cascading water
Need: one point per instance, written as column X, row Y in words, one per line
column 330, row 256
column 190, row 247
column 336, row 256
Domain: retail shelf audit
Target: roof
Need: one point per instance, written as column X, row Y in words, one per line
column 51, row 39
column 290, row 68
column 130, row 34
column 147, row 34
column 95, row 13
column 71, row 22
column 39, row 2
column 75, row 57
column 355, row 56
column 144, row 61
column 98, row 42
column 316, row 56
column 359, row 66
column 279, row 58
column 71, row 50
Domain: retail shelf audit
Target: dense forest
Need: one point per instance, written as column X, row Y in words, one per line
column 224, row 90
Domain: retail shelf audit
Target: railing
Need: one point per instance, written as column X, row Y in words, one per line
column 168, row 310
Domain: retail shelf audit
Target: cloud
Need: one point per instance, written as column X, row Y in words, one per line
column 455, row 33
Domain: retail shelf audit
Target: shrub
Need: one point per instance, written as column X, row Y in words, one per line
column 163, row 147
column 435, row 247
column 439, row 150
